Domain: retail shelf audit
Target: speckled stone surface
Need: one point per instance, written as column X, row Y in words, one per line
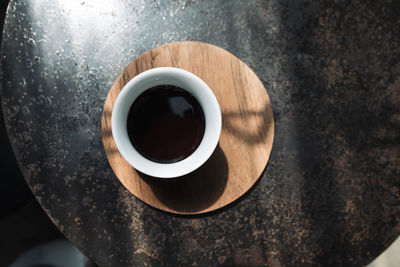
column 330, row 193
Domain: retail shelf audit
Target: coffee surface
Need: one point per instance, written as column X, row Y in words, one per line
column 166, row 124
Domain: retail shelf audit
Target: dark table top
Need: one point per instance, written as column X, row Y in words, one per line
column 330, row 193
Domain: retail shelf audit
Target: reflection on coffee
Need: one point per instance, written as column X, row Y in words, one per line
column 166, row 124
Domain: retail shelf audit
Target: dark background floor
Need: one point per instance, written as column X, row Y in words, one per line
column 23, row 223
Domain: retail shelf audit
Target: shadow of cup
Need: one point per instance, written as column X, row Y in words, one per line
column 195, row 191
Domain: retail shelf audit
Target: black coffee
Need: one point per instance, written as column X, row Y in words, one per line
column 166, row 124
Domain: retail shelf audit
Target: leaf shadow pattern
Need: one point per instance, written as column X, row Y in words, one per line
column 248, row 134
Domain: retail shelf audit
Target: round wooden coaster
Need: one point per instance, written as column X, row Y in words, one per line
column 246, row 137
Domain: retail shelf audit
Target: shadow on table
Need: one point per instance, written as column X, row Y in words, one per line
column 246, row 133
column 343, row 92
column 195, row 191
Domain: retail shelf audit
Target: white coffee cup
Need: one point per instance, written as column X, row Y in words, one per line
column 166, row 76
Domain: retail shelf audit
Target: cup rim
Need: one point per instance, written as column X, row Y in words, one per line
column 187, row 81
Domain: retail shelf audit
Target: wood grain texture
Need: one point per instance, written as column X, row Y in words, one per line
column 246, row 137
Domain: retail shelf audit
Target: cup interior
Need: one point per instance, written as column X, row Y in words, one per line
column 166, row 76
